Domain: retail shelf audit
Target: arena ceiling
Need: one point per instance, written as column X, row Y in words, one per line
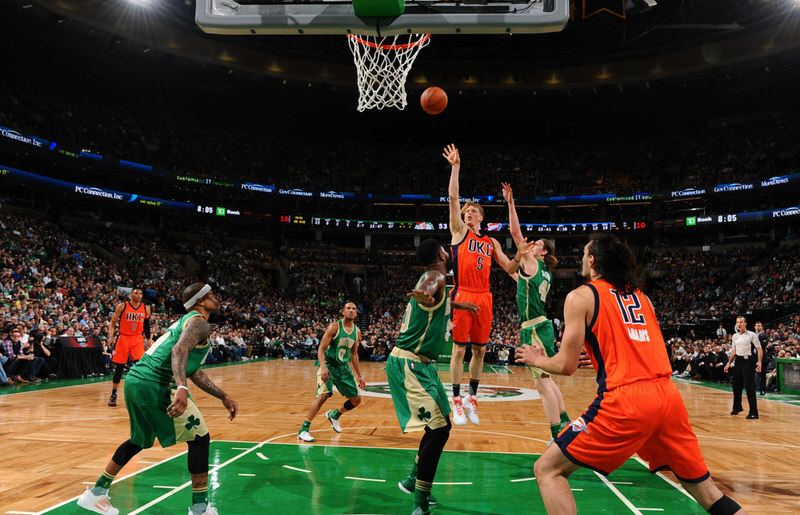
column 681, row 41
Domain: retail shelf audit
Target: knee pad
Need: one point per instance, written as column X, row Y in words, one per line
column 441, row 435
column 125, row 452
column 197, row 457
column 118, row 372
column 724, row 506
column 349, row 405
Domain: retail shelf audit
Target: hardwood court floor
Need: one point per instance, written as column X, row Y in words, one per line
column 55, row 440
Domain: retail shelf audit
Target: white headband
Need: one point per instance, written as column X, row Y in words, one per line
column 197, row 296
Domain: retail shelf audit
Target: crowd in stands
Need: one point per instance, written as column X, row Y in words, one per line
column 540, row 167
column 711, row 285
column 66, row 279
column 696, row 283
column 60, row 278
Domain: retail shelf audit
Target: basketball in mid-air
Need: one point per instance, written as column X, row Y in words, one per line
column 433, row 100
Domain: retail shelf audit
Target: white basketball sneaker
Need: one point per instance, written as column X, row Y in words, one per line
column 97, row 503
column 334, row 423
column 471, row 408
column 210, row 510
column 459, row 418
column 305, row 436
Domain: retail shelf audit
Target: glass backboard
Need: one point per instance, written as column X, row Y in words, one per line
column 418, row 17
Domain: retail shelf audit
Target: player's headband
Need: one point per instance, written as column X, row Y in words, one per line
column 197, row 296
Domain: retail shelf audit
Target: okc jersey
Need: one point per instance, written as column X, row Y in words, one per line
column 425, row 329
column 472, row 262
column 338, row 352
column 624, row 341
column 156, row 364
column 131, row 321
column 532, row 292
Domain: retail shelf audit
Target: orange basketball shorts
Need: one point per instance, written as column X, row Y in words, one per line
column 648, row 418
column 132, row 345
column 469, row 328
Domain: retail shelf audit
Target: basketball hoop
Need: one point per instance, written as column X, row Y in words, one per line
column 382, row 64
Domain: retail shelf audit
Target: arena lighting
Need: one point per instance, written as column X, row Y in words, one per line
column 639, row 6
column 141, row 3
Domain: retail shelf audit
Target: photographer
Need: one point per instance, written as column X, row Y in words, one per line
column 43, row 348
column 770, row 369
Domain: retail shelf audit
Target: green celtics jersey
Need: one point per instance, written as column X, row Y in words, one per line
column 425, row 329
column 156, row 364
column 532, row 292
column 338, row 352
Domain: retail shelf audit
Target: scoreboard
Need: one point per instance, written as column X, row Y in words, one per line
column 352, row 224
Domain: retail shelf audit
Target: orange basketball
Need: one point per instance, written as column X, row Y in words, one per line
column 433, row 100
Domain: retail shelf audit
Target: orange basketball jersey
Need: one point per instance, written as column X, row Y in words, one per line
column 472, row 262
column 131, row 321
column 624, row 340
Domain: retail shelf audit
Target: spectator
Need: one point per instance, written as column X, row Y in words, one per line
column 24, row 368
column 4, row 379
column 379, row 352
column 107, row 355
column 772, row 373
column 290, row 348
column 502, row 356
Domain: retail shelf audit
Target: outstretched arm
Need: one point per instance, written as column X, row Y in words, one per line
column 457, row 227
column 511, row 265
column 513, row 220
column 531, row 265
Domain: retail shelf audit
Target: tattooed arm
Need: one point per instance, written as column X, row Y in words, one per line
column 207, row 385
column 195, row 330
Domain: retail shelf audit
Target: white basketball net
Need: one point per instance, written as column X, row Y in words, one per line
column 383, row 64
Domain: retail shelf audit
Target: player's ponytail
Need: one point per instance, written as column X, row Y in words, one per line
column 550, row 258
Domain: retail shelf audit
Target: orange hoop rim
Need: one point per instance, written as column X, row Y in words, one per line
column 405, row 46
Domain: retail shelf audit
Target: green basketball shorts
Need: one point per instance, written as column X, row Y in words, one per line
column 341, row 377
column 147, row 404
column 539, row 334
column 418, row 395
